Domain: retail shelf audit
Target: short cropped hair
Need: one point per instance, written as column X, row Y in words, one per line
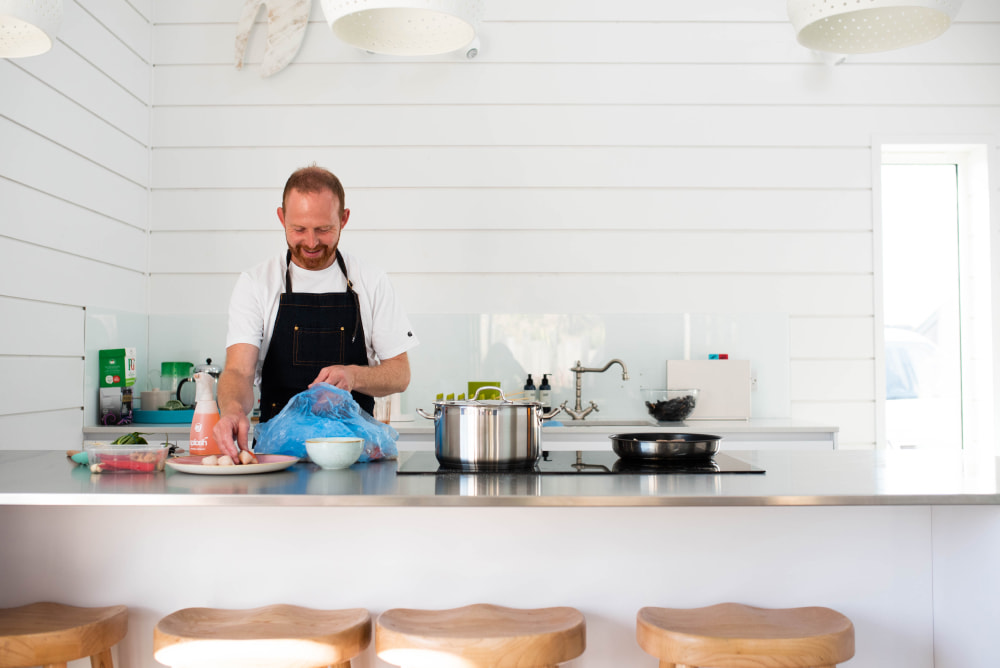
column 313, row 179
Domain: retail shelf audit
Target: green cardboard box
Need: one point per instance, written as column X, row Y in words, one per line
column 117, row 367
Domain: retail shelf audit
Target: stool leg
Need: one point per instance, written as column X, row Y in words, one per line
column 101, row 659
column 54, row 665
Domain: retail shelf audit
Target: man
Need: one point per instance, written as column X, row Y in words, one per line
column 310, row 315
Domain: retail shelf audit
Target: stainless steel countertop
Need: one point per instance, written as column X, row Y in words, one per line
column 815, row 478
column 421, row 426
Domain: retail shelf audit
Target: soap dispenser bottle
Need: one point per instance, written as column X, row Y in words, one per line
column 530, row 392
column 206, row 415
column 545, row 393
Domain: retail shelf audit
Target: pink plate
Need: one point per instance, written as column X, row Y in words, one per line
column 268, row 463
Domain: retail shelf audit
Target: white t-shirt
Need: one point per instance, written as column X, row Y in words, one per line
column 253, row 307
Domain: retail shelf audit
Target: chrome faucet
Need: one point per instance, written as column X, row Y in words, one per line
column 578, row 412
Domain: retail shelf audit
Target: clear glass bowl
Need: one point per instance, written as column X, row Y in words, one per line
column 670, row 405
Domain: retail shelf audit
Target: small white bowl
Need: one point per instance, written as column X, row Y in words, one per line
column 336, row 452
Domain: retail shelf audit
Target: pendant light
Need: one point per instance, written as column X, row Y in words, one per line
column 867, row 26
column 28, row 27
column 405, row 27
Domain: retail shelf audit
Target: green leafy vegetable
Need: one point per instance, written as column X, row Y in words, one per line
column 134, row 438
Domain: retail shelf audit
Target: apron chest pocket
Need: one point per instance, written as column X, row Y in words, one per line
column 322, row 347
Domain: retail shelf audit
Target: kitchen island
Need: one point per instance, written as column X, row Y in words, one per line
column 903, row 542
column 566, row 434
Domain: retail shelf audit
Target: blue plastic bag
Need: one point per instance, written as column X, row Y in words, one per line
column 324, row 411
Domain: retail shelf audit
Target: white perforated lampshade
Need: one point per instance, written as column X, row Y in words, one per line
column 867, row 26
column 28, row 27
column 405, row 27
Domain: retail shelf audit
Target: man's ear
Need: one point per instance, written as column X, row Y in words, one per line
column 281, row 216
column 343, row 220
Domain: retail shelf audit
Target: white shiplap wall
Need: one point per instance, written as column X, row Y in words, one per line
column 74, row 198
column 591, row 150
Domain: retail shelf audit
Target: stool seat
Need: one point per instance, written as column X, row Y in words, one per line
column 480, row 636
column 730, row 635
column 274, row 636
column 51, row 634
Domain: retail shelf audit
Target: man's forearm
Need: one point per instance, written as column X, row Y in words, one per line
column 235, row 394
column 389, row 377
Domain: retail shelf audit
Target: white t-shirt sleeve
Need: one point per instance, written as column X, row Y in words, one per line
column 391, row 332
column 246, row 315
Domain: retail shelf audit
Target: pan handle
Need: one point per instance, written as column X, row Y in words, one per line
column 426, row 414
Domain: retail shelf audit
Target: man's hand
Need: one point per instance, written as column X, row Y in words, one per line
column 235, row 397
column 344, row 377
column 231, row 435
column 391, row 375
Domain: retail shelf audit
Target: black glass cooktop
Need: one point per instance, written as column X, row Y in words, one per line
column 590, row 463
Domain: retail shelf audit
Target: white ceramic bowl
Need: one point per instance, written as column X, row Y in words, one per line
column 336, row 452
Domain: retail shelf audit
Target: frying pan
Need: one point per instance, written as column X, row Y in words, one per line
column 664, row 446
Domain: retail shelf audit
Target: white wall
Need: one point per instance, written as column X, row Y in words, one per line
column 74, row 177
column 591, row 151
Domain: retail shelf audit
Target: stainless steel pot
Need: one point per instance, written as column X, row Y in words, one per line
column 487, row 435
column 664, row 446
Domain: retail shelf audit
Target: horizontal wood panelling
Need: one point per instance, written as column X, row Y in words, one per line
column 87, row 36
column 32, row 272
column 430, row 293
column 74, row 127
column 128, row 22
column 35, row 384
column 833, row 380
column 832, row 338
column 199, row 11
column 40, row 163
column 551, row 252
column 38, row 328
column 86, row 85
column 577, row 42
column 41, row 431
column 145, row 9
column 49, row 222
column 530, row 208
column 535, row 167
column 535, row 125
column 547, row 83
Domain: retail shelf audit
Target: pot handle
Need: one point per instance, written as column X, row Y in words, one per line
column 550, row 414
column 491, row 387
column 425, row 414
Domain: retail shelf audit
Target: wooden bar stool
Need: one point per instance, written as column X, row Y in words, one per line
column 51, row 634
column 730, row 635
column 275, row 636
column 480, row 636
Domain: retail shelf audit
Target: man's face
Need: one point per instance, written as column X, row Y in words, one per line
column 312, row 227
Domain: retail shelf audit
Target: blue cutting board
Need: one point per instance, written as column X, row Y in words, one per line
column 163, row 417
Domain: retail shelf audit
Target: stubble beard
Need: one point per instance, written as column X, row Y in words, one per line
column 315, row 262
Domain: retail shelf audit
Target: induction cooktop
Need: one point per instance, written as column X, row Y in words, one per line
column 587, row 462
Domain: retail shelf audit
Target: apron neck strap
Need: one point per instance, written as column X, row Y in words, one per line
column 288, row 271
column 350, row 286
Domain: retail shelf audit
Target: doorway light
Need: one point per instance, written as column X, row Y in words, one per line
column 867, row 26
column 405, row 27
column 28, row 27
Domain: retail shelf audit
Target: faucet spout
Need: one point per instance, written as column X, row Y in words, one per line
column 578, row 412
